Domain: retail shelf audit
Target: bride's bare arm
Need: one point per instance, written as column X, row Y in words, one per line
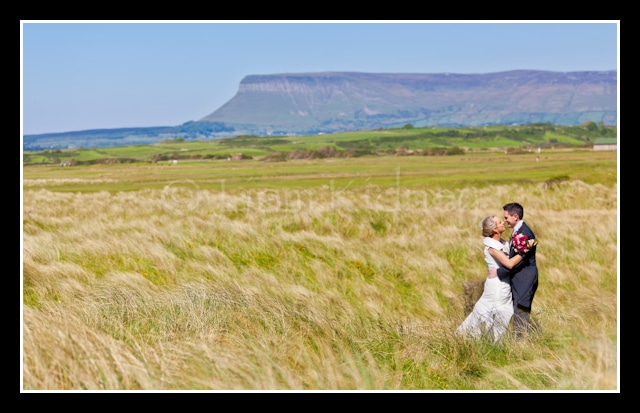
column 503, row 259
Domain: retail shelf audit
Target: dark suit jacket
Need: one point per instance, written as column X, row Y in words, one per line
column 524, row 276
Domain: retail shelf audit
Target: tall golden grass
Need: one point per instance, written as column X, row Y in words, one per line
column 316, row 290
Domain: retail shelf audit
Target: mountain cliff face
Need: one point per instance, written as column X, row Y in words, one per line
column 307, row 103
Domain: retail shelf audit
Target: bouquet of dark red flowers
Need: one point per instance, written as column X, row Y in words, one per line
column 522, row 244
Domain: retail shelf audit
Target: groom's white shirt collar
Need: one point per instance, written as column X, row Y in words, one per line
column 517, row 227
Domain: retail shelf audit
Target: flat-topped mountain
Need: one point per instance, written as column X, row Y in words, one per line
column 306, row 103
column 310, row 103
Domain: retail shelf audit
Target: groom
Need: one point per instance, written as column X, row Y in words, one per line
column 524, row 276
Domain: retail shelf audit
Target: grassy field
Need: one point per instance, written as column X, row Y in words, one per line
column 458, row 171
column 328, row 274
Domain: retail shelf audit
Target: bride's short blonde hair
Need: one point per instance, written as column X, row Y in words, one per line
column 488, row 225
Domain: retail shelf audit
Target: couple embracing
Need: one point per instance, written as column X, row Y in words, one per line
column 512, row 278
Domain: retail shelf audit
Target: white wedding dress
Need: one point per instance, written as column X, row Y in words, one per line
column 492, row 313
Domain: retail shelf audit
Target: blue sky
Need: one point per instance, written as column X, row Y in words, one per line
column 111, row 74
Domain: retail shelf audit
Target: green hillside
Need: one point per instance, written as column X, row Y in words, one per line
column 407, row 140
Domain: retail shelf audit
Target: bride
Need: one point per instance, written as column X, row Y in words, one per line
column 492, row 313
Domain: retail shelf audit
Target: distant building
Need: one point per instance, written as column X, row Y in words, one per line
column 605, row 144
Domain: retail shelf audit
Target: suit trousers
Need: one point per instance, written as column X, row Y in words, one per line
column 521, row 320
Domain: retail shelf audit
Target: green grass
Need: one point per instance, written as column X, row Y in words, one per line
column 476, row 169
